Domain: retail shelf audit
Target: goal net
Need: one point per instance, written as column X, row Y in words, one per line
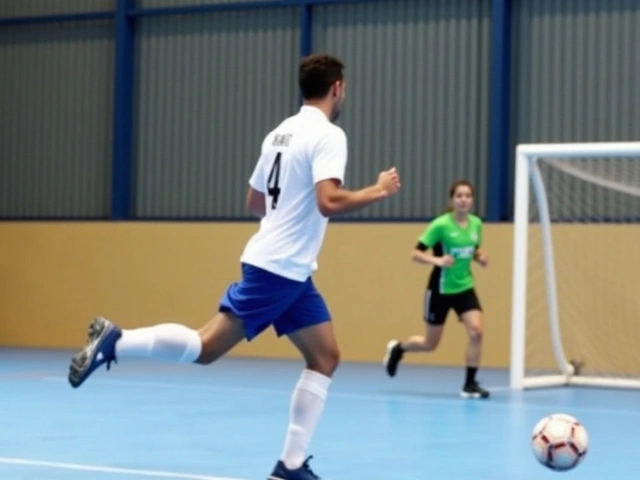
column 576, row 270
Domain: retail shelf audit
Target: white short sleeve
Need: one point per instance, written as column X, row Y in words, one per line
column 257, row 180
column 330, row 156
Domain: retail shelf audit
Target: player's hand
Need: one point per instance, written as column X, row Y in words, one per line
column 483, row 259
column 389, row 181
column 445, row 261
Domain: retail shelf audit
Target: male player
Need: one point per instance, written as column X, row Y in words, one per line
column 295, row 186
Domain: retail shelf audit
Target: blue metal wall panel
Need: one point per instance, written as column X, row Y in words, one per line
column 55, row 127
column 210, row 86
column 418, row 89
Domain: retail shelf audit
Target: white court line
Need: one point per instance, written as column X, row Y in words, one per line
column 98, row 468
column 385, row 398
column 269, row 391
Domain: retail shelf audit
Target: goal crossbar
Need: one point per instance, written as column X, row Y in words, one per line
column 564, row 150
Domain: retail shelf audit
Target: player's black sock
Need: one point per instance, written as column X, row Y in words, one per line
column 471, row 375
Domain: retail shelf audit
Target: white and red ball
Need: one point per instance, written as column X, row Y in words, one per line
column 560, row 442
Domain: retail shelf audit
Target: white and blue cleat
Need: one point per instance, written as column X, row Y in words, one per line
column 100, row 349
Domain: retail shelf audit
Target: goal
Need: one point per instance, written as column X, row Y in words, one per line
column 575, row 316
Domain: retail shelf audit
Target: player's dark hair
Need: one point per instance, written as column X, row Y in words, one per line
column 317, row 73
column 460, row 183
column 454, row 186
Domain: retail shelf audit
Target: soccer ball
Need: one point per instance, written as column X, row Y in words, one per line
column 560, row 442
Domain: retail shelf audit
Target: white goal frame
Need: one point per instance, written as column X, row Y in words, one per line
column 528, row 176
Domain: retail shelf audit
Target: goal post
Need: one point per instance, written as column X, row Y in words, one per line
column 576, row 230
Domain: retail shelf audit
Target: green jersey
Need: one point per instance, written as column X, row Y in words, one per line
column 446, row 237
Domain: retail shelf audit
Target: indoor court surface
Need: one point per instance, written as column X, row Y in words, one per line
column 145, row 420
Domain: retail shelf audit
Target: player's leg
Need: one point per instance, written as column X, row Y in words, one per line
column 307, row 324
column 171, row 342
column 469, row 310
column 223, row 332
column 256, row 299
column 434, row 314
column 180, row 344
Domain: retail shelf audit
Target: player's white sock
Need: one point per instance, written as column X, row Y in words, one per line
column 167, row 341
column 307, row 403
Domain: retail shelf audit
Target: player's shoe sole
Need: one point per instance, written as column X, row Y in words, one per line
column 100, row 349
column 392, row 358
column 281, row 472
column 474, row 391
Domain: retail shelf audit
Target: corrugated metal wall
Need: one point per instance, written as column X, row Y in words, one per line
column 55, row 127
column 209, row 88
column 576, row 70
column 418, row 90
column 207, row 91
column 20, row 8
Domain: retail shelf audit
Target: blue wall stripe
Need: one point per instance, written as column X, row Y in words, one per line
column 499, row 139
column 123, row 109
column 211, row 8
column 306, row 33
column 238, row 6
column 306, row 29
column 59, row 18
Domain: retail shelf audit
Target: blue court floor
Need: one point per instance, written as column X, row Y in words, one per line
column 227, row 422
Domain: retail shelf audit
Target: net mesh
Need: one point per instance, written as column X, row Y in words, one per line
column 594, row 208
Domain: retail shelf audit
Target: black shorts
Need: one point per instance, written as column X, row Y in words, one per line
column 437, row 305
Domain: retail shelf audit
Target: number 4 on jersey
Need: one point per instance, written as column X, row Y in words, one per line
column 273, row 182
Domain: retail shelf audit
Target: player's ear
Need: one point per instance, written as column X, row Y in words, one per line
column 335, row 89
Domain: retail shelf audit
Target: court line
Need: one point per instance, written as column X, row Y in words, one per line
column 267, row 391
column 385, row 398
column 103, row 469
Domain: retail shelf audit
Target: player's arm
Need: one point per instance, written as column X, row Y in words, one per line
column 333, row 200
column 420, row 254
column 329, row 160
column 256, row 203
column 479, row 255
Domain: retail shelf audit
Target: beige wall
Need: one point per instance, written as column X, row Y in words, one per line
column 597, row 295
column 56, row 276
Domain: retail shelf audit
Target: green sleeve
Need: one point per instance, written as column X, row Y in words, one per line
column 431, row 234
column 480, row 233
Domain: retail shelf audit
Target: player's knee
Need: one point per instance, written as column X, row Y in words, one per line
column 209, row 352
column 207, row 357
column 326, row 364
column 432, row 337
column 431, row 343
column 475, row 333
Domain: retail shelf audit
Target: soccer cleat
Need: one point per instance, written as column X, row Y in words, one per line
column 100, row 349
column 304, row 472
column 393, row 357
column 473, row 390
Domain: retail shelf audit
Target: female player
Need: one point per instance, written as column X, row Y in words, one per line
column 455, row 239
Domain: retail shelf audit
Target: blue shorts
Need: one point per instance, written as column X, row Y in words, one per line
column 261, row 299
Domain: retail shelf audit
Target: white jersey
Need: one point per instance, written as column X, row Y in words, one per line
column 303, row 150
